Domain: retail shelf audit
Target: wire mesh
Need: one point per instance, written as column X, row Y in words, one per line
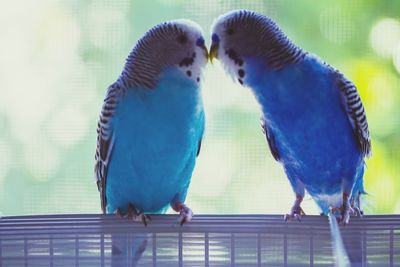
column 208, row 240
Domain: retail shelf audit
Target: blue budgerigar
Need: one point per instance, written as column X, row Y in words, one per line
column 312, row 115
column 150, row 130
column 151, row 124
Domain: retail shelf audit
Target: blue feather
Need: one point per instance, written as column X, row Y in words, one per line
column 313, row 117
column 303, row 109
column 157, row 134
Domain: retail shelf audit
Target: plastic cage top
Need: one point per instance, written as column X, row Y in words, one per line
column 208, row 240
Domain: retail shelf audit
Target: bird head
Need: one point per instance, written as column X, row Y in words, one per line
column 177, row 43
column 239, row 35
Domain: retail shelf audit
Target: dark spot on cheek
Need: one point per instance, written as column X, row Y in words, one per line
column 240, row 81
column 234, row 56
column 187, row 61
column 198, row 79
column 241, row 73
column 189, row 73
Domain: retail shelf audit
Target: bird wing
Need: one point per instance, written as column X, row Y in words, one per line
column 202, row 125
column 105, row 140
column 199, row 147
column 355, row 112
column 271, row 140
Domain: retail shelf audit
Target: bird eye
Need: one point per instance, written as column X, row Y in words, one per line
column 182, row 39
column 200, row 41
column 230, row 31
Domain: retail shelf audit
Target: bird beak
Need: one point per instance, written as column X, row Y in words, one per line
column 204, row 47
column 213, row 51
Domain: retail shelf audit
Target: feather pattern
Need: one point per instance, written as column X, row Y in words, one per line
column 355, row 111
column 144, row 64
column 270, row 139
column 280, row 51
column 105, row 140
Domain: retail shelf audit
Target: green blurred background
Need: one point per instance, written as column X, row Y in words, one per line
column 58, row 57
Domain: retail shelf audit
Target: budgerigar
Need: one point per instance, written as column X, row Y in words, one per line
column 312, row 116
column 151, row 124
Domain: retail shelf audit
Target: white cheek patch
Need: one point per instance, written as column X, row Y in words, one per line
column 237, row 70
column 194, row 70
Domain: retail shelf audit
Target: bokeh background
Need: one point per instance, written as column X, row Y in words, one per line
column 58, row 57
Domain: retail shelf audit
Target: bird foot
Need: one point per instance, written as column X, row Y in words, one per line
column 137, row 216
column 141, row 217
column 119, row 214
column 185, row 213
column 296, row 213
column 357, row 212
column 134, row 215
column 356, row 205
column 345, row 211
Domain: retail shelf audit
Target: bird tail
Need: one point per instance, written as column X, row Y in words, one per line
column 339, row 252
column 127, row 251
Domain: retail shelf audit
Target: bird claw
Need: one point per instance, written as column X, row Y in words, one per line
column 289, row 217
column 345, row 212
column 119, row 214
column 357, row 212
column 334, row 210
column 295, row 214
column 185, row 215
column 345, row 218
column 356, row 205
column 141, row 217
column 134, row 215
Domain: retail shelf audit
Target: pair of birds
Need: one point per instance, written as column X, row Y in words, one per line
column 152, row 120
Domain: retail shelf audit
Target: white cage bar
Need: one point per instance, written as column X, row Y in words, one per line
column 208, row 240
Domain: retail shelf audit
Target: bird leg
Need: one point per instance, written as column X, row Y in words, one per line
column 136, row 216
column 296, row 212
column 185, row 213
column 356, row 206
column 345, row 210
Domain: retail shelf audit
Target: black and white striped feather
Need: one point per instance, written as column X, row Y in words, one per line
column 271, row 44
column 105, row 139
column 150, row 55
column 355, row 112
